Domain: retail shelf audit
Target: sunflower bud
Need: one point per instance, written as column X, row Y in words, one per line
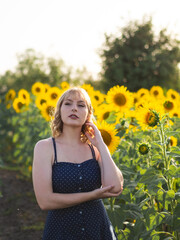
column 152, row 118
column 143, row 148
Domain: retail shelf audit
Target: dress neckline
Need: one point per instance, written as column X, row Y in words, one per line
column 74, row 162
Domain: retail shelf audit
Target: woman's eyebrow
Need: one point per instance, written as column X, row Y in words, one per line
column 72, row 100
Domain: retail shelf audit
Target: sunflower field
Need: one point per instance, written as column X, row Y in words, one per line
column 142, row 132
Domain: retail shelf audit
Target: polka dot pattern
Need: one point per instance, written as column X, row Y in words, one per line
column 85, row 221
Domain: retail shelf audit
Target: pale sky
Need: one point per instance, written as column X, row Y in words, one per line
column 74, row 29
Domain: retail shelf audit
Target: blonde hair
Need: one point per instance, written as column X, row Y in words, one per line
column 57, row 125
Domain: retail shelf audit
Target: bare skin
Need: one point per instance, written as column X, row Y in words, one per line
column 112, row 180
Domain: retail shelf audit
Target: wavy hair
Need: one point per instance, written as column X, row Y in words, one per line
column 57, row 125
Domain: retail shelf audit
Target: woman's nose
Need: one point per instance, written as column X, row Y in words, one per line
column 74, row 108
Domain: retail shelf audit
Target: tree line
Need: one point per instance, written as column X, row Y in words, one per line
column 136, row 58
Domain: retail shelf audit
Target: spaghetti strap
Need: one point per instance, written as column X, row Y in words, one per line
column 92, row 150
column 54, row 144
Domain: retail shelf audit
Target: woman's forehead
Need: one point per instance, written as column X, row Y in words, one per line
column 75, row 96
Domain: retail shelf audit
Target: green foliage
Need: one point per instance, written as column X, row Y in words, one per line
column 149, row 207
column 139, row 59
column 18, row 134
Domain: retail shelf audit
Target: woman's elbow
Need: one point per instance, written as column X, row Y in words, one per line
column 43, row 206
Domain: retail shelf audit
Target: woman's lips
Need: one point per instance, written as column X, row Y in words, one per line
column 73, row 116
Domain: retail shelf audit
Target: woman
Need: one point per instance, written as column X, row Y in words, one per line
column 73, row 171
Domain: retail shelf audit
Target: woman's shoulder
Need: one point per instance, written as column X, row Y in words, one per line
column 44, row 143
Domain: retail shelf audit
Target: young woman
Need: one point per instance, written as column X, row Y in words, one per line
column 73, row 171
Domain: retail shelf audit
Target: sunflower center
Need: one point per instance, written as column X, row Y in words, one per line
column 175, row 115
column 106, row 137
column 106, row 115
column 97, row 98
column 156, row 93
column 143, row 149
column 10, row 96
column 120, row 99
column 168, row 105
column 135, row 100
column 38, row 89
column 54, row 95
column 42, row 101
column 171, row 142
column 20, row 105
column 50, row 110
column 173, row 96
column 24, row 96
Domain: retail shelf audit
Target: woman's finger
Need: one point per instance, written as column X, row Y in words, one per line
column 107, row 188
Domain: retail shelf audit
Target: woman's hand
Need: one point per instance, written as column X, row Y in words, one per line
column 104, row 192
column 94, row 135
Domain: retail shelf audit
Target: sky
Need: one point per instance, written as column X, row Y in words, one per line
column 74, row 29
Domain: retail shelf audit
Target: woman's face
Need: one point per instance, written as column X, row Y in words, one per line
column 74, row 110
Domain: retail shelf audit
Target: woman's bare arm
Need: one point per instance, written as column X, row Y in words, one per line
column 110, row 173
column 42, row 182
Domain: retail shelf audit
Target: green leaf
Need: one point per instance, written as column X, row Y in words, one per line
column 15, row 137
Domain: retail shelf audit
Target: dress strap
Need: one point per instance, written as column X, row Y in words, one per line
column 92, row 150
column 54, row 144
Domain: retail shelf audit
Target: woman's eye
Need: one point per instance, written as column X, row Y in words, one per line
column 81, row 106
column 67, row 103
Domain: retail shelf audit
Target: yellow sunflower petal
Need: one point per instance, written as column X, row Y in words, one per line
column 38, row 88
column 108, row 133
column 47, row 111
column 24, row 95
column 18, row 104
column 10, row 95
column 157, row 92
column 54, row 93
column 120, row 98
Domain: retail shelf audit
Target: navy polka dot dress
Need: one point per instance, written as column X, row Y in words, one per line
column 85, row 221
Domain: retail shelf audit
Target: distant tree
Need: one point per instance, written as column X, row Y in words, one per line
column 137, row 58
column 33, row 67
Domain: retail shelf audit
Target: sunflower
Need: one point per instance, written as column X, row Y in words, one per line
column 152, row 104
column 108, row 133
column 147, row 118
column 130, row 114
column 175, row 113
column 142, row 93
column 135, row 98
column 119, row 98
column 97, row 98
column 169, row 105
column 65, row 85
column 38, row 88
column 10, row 95
column 89, row 89
column 19, row 105
column 102, row 112
column 141, row 103
column 54, row 93
column 40, row 100
column 8, row 106
column 48, row 110
column 47, row 87
column 157, row 92
column 24, row 95
column 172, row 94
column 143, row 148
column 173, row 141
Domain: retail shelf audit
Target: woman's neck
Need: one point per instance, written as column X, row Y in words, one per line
column 70, row 136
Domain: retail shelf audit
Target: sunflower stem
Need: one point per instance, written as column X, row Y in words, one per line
column 165, row 157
